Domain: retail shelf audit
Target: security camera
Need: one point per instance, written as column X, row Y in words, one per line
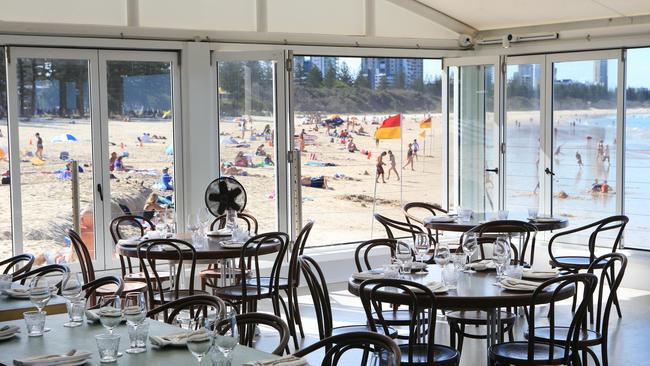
column 465, row 40
column 507, row 39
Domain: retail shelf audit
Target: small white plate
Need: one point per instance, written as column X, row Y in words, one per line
column 232, row 244
column 9, row 336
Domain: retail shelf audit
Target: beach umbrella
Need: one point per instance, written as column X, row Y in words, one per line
column 64, row 138
column 169, row 150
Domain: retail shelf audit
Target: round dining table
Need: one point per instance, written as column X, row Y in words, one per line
column 479, row 218
column 474, row 291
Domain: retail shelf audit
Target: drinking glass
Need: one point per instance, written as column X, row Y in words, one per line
column 107, row 345
column 501, row 254
column 458, row 259
column 421, row 243
column 514, row 271
column 35, row 322
column 138, row 336
column 231, row 219
column 76, row 309
column 40, row 294
column 450, row 278
column 502, row 214
column 71, row 287
column 193, row 224
column 469, row 246
column 465, row 214
column 5, row 281
column 532, row 213
column 200, row 339
column 442, row 254
column 205, row 217
column 228, row 339
column 110, row 312
column 404, row 257
column 135, row 311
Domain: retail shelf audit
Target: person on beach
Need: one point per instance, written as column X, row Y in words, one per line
column 151, row 206
column 39, row 146
column 380, row 167
column 409, row 157
column 391, row 159
column 352, row 147
column 600, row 148
column 604, row 188
column 260, row 151
column 243, row 127
column 302, row 140
column 596, row 187
column 166, row 180
column 416, row 148
column 119, row 164
column 111, row 161
column 376, row 139
column 606, row 154
column 579, row 158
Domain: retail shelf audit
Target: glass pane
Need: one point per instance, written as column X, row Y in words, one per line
column 339, row 104
column 637, row 148
column 6, row 248
column 584, row 140
column 54, row 130
column 522, row 137
column 247, row 125
column 141, row 138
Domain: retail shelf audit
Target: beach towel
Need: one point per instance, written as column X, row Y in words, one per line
column 319, row 163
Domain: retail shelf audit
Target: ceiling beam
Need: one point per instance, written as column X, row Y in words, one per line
column 132, row 13
column 370, row 18
column 262, row 16
column 435, row 16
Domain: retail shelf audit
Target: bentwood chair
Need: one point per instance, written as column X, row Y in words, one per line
column 88, row 271
column 336, row 347
column 90, row 288
column 550, row 351
column 197, row 305
column 17, row 264
column 421, row 348
column 128, row 226
column 247, row 324
column 320, row 296
column 410, row 210
column 175, row 251
column 59, row 270
column 518, row 232
column 597, row 337
column 394, row 226
column 575, row 264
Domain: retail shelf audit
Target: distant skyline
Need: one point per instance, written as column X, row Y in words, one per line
column 431, row 67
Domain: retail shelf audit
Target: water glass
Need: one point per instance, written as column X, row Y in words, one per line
column 71, row 286
column 231, row 219
column 35, row 322
column 39, row 292
column 110, row 312
column 459, row 261
column 199, row 341
column 404, row 257
column 76, row 310
column 502, row 214
column 219, row 359
column 501, row 254
column 137, row 337
column 514, row 271
column 421, row 244
column 107, row 345
column 450, row 278
column 442, row 254
column 469, row 246
column 391, row 271
column 225, row 330
column 532, row 213
column 5, row 281
column 465, row 214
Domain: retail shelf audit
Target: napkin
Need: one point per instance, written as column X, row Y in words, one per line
column 130, row 241
column 431, row 219
column 433, row 286
column 519, row 284
column 282, row 361
column 8, row 330
column 220, row 232
column 92, row 316
column 482, row 265
column 540, row 274
column 170, row 340
column 52, row 360
column 367, row 275
column 232, row 244
column 17, row 292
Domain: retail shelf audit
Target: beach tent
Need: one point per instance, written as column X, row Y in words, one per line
column 336, row 121
column 169, row 150
column 65, row 137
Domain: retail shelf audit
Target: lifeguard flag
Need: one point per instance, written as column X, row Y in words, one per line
column 389, row 129
column 426, row 123
column 422, row 133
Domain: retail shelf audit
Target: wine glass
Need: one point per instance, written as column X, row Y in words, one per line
column 71, row 290
column 193, row 224
column 231, row 219
column 469, row 246
column 404, row 257
column 226, row 336
column 135, row 311
column 200, row 339
column 205, row 217
column 501, row 254
column 421, row 243
column 40, row 294
column 110, row 312
column 442, row 254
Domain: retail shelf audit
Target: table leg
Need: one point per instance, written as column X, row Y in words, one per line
column 493, row 329
column 222, row 264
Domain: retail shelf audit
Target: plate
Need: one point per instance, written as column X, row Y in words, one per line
column 439, row 219
column 518, row 289
column 538, row 276
column 546, row 219
column 418, row 265
column 441, row 290
column 232, row 244
column 9, row 336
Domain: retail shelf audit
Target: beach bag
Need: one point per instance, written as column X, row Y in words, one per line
column 6, row 180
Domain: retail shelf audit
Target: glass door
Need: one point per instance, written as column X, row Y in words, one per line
column 54, row 132
column 252, row 130
column 474, row 133
column 140, row 129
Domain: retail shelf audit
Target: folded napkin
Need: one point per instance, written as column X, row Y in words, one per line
column 52, row 360
column 17, row 292
column 220, row 232
column 92, row 316
column 152, row 235
column 8, row 330
column 482, row 265
column 367, row 275
column 434, row 286
column 540, row 274
column 282, row 361
column 515, row 284
column 170, row 340
column 431, row 219
column 232, row 244
column 130, row 241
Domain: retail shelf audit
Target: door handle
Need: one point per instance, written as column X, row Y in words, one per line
column 548, row 171
column 495, row 170
column 101, row 193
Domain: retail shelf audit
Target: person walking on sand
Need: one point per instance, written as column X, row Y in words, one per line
column 391, row 158
column 380, row 168
column 243, row 126
column 606, row 154
column 579, row 158
column 302, row 140
column 409, row 157
column 416, row 148
column 39, row 146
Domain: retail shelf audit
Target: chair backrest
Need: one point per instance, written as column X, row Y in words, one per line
column 431, row 209
column 363, row 250
column 246, row 324
column 488, row 241
column 319, row 294
column 50, row 269
column 616, row 223
column 90, row 288
column 613, row 276
column 128, row 225
column 83, row 256
column 391, row 226
column 370, row 293
column 525, row 232
column 296, row 251
column 197, row 305
column 176, row 251
column 251, row 222
column 249, row 258
column 584, row 282
column 23, row 261
column 387, row 351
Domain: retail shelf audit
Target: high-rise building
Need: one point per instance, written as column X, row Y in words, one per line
column 377, row 68
column 600, row 72
column 324, row 64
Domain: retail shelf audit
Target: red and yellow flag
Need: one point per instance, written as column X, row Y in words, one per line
column 426, row 123
column 390, row 128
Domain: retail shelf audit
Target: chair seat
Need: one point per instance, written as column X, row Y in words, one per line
column 266, row 281
column 587, row 337
column 477, row 317
column 235, row 292
column 442, row 355
column 574, row 262
column 392, row 332
column 140, row 277
column 216, row 272
column 128, row 287
column 171, row 295
column 395, row 317
column 516, row 353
